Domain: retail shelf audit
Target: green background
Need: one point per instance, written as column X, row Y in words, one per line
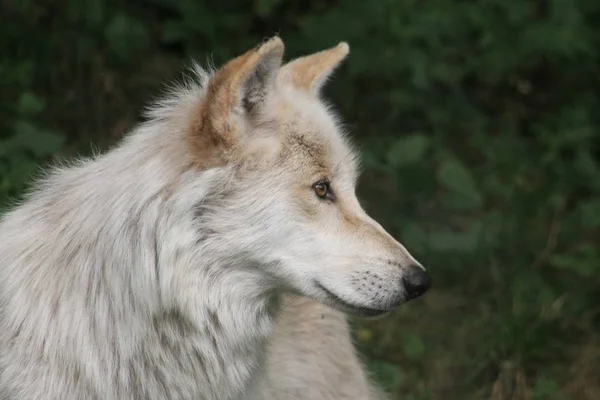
column 479, row 124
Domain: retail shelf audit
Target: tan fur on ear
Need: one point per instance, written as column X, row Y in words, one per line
column 236, row 87
column 310, row 72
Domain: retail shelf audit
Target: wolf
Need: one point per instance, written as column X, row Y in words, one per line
column 213, row 254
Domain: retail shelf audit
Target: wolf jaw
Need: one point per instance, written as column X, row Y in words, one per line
column 153, row 271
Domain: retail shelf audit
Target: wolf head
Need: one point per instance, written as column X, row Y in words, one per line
column 288, row 208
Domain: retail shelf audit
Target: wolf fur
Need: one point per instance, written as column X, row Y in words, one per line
column 168, row 268
column 310, row 355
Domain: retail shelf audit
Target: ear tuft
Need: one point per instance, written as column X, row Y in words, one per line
column 343, row 49
column 263, row 68
column 235, row 95
column 273, row 46
column 310, row 72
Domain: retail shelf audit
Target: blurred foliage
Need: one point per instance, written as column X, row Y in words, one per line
column 479, row 123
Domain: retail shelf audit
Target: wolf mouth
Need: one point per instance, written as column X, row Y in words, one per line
column 349, row 307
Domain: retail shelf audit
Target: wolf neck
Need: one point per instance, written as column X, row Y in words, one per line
column 211, row 309
column 222, row 332
column 123, row 263
column 215, row 311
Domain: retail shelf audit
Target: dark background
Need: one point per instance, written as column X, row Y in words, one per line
column 479, row 123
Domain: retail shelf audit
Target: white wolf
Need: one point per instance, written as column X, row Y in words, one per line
column 167, row 268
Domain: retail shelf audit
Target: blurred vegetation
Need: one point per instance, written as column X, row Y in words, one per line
column 479, row 123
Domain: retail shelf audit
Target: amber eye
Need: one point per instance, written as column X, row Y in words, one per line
column 323, row 190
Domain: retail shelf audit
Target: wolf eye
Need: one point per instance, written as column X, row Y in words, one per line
column 323, row 190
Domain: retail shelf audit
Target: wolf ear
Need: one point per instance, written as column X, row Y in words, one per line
column 236, row 94
column 245, row 81
column 310, row 72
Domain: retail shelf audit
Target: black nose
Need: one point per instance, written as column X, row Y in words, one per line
column 416, row 281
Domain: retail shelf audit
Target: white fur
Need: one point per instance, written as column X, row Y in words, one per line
column 136, row 275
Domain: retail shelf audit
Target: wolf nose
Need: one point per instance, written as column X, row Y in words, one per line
column 416, row 281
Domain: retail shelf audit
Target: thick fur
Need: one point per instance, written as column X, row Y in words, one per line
column 157, row 270
column 311, row 356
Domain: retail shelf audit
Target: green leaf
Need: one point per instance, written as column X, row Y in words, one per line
column 407, row 150
column 454, row 175
column 371, row 162
column 386, row 374
column 459, row 202
column 40, row 142
column 467, row 240
column 413, row 346
column 94, row 11
column 126, row 36
column 174, row 32
column 5, row 146
column 590, row 213
column 264, row 8
column 545, row 388
column 29, row 104
column 414, row 236
column 583, row 262
column 21, row 170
